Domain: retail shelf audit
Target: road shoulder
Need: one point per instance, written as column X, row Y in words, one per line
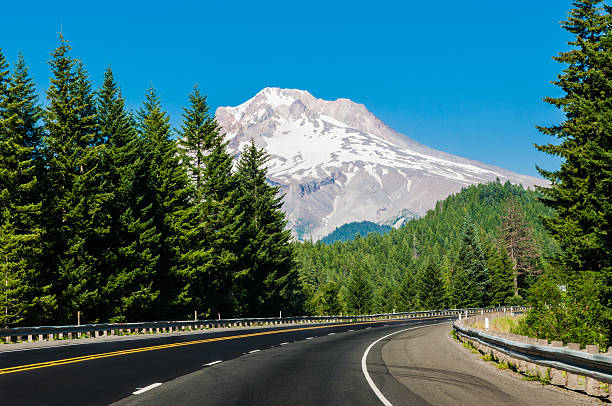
column 432, row 365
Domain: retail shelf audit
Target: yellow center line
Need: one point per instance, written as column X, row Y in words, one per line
column 180, row 344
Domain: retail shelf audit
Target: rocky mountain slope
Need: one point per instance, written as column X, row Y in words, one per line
column 337, row 163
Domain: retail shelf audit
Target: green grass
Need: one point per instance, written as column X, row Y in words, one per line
column 469, row 346
column 487, row 357
column 502, row 365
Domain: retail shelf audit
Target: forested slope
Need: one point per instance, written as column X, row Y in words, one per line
column 418, row 265
column 348, row 231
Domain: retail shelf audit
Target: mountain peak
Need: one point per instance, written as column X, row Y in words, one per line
column 337, row 163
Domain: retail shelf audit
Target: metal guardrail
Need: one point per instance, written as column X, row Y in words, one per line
column 596, row 366
column 58, row 332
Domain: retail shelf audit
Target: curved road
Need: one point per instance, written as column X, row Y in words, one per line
column 416, row 363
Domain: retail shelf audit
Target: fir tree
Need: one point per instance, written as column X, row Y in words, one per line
column 518, row 242
column 270, row 278
column 197, row 137
column 328, row 301
column 170, row 192
column 359, row 292
column 501, row 270
column 213, row 223
column 19, row 201
column 580, row 188
column 429, row 286
column 131, row 246
column 198, row 133
column 580, row 191
column 72, row 202
column 469, row 282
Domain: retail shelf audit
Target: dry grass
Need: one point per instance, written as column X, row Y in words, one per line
column 504, row 324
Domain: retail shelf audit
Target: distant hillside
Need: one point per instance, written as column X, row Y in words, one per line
column 348, row 231
column 391, row 260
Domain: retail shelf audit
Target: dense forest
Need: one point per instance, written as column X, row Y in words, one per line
column 348, row 231
column 467, row 252
column 123, row 218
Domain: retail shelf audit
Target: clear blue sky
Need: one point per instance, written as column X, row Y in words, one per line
column 466, row 77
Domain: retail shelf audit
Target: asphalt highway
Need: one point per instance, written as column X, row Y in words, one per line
column 297, row 364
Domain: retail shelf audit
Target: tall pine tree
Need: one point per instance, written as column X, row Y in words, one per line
column 517, row 238
column 129, row 260
column 19, row 200
column 470, row 283
column 580, row 188
column 269, row 282
column 170, row 192
column 429, row 286
column 73, row 197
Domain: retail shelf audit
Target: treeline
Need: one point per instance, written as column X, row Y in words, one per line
column 103, row 211
column 483, row 246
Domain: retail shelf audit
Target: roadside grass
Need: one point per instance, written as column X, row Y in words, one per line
column 505, row 324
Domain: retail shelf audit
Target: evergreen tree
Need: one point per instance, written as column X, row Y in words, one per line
column 501, row 270
column 170, row 192
column 429, row 286
column 131, row 246
column 214, row 223
column 580, row 188
column 328, row 301
column 72, row 200
column 359, row 292
column 197, row 137
column 519, row 244
column 406, row 293
column 470, row 282
column 19, row 202
column 199, row 131
column 270, row 278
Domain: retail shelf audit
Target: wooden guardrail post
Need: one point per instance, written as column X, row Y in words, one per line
column 556, row 375
column 591, row 386
column 571, row 380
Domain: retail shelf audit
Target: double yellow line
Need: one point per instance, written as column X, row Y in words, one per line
column 64, row 361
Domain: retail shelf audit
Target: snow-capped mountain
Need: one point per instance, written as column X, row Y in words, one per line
column 337, row 163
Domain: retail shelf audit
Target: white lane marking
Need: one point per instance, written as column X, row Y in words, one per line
column 364, row 367
column 252, row 351
column 309, row 338
column 367, row 328
column 351, row 330
column 331, row 334
column 146, row 388
column 212, row 363
column 284, row 343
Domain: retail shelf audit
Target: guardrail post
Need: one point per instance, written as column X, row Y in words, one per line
column 556, row 375
column 30, row 338
column 542, row 369
column 591, row 386
column 571, row 380
column 41, row 337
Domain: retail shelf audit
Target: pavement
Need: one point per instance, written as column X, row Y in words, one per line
column 400, row 362
column 435, row 369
